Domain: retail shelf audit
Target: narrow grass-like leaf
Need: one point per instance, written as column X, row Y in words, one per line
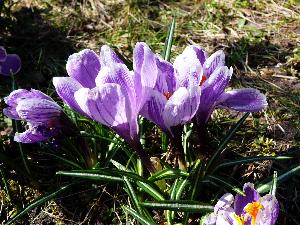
column 38, row 202
column 249, row 160
column 91, row 176
column 132, row 195
column 169, row 40
column 265, row 186
column 62, row 159
column 137, row 216
column 224, row 183
column 168, row 174
column 274, row 184
column 180, row 206
column 226, row 139
column 151, row 190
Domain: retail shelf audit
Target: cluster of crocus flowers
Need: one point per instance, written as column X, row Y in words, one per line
column 250, row 209
column 104, row 89
column 42, row 114
column 10, row 64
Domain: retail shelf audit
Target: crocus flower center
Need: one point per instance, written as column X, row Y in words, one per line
column 239, row 219
column 168, row 95
column 252, row 209
column 203, row 79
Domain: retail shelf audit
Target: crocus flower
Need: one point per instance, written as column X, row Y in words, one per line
column 213, row 77
column 103, row 88
column 247, row 210
column 172, row 102
column 40, row 112
column 10, row 64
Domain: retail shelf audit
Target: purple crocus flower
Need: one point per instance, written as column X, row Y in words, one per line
column 172, row 103
column 213, row 77
column 250, row 209
column 40, row 112
column 104, row 89
column 10, row 64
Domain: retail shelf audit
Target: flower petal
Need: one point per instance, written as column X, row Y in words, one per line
column 182, row 106
column 3, row 54
column 210, row 92
column 243, row 100
column 166, row 81
column 65, row 88
column 225, row 217
column 224, row 202
column 18, row 95
column 84, row 66
column 106, row 104
column 38, row 110
column 188, row 66
column 11, row 65
column 145, row 72
column 269, row 213
column 215, row 61
column 153, row 109
column 108, row 56
column 210, row 219
column 241, row 201
column 30, row 136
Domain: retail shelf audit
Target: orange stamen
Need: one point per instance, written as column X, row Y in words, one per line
column 252, row 209
column 203, row 79
column 239, row 219
column 167, row 95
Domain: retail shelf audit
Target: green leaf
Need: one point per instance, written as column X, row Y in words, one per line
column 168, row 174
column 224, row 183
column 38, row 202
column 151, row 190
column 266, row 186
column 91, row 176
column 137, row 216
column 181, row 206
column 226, row 139
column 274, row 184
column 249, row 160
column 169, row 40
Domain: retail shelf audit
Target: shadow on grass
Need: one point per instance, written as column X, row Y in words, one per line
column 43, row 48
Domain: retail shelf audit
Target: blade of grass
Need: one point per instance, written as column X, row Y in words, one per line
column 168, row 174
column 137, row 216
column 38, row 202
column 226, row 139
column 225, row 183
column 169, row 40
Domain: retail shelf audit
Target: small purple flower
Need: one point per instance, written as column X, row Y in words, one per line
column 40, row 112
column 172, row 103
column 248, row 210
column 10, row 64
column 213, row 77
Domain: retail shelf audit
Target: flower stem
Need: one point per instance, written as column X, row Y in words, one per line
column 178, row 152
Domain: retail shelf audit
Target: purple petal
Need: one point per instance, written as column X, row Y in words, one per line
column 108, row 56
column 106, row 104
column 211, row 91
column 201, row 54
column 145, row 72
column 215, row 61
column 153, row 109
column 18, row 95
column 65, row 88
column 182, row 106
column 166, row 81
column 241, row 201
column 243, row 100
column 38, row 110
column 84, row 67
column 210, row 219
column 30, row 136
column 225, row 217
column 188, row 66
column 224, row 202
column 11, row 65
column 3, row 54
column 269, row 213
column 118, row 73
